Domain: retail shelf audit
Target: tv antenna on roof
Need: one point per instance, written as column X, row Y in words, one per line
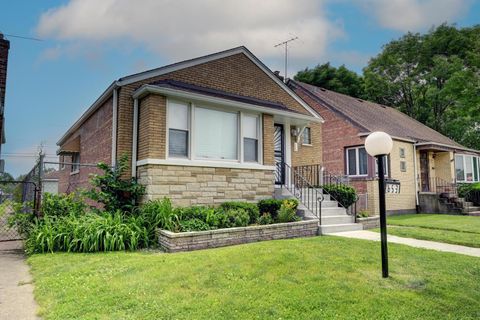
column 285, row 43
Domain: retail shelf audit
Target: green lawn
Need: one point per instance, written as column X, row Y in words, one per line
column 454, row 229
column 313, row 278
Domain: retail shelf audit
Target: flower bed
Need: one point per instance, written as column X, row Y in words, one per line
column 196, row 240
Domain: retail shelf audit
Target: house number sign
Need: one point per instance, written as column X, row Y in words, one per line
column 392, row 186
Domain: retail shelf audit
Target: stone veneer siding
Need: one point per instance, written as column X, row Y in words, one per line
column 189, row 185
column 188, row 241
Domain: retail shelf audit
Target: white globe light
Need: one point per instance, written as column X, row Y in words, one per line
column 378, row 143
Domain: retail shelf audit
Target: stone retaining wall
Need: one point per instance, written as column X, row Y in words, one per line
column 369, row 222
column 188, row 241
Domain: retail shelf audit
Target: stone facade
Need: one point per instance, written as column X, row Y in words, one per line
column 189, row 185
column 188, row 241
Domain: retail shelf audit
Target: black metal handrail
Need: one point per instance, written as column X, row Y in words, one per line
column 302, row 189
column 439, row 186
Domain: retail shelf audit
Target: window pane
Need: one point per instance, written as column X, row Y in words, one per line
column 307, row 136
column 216, row 134
column 250, row 150
column 177, row 143
column 385, row 166
column 468, row 168
column 475, row 168
column 352, row 163
column 459, row 170
column 177, row 115
column 363, row 166
column 250, row 127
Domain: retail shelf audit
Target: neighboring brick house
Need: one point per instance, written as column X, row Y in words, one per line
column 201, row 131
column 422, row 159
column 4, row 48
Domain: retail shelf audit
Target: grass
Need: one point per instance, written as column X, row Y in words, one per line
column 453, row 229
column 313, row 278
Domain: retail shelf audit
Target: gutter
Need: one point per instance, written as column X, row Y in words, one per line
column 103, row 97
column 446, row 145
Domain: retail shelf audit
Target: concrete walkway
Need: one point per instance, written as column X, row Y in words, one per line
column 445, row 247
column 16, row 289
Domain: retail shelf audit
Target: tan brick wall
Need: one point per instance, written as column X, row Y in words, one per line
column 235, row 74
column 268, row 130
column 406, row 199
column 152, row 127
column 308, row 154
column 187, row 185
column 444, row 167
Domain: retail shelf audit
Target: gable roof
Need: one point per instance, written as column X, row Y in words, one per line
column 181, row 65
column 369, row 116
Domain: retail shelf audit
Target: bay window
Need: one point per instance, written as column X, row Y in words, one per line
column 467, row 168
column 199, row 132
column 357, row 164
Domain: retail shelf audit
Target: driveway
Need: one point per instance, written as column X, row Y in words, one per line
column 16, row 289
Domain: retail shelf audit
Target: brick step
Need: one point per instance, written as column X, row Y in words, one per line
column 474, row 213
column 471, row 209
column 333, row 220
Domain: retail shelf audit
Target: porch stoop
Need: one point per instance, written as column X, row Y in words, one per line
column 333, row 217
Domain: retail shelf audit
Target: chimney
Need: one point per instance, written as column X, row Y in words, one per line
column 4, row 47
column 277, row 74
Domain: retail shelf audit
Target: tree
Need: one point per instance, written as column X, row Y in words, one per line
column 433, row 78
column 336, row 79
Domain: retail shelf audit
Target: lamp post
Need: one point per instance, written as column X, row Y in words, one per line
column 379, row 144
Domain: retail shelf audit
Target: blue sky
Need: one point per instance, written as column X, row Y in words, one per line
column 89, row 43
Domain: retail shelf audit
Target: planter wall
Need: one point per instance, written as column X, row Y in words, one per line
column 369, row 222
column 188, row 241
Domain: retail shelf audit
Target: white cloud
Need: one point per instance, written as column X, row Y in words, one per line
column 414, row 15
column 179, row 29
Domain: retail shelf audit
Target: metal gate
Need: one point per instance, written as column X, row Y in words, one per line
column 16, row 197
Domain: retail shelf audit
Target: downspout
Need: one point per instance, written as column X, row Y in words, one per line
column 417, row 204
column 114, row 124
column 134, row 135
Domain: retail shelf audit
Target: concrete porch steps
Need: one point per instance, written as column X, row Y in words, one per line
column 333, row 217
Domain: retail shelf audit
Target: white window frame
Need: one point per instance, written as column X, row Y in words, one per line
column 357, row 162
column 75, row 166
column 387, row 166
column 464, row 162
column 305, row 130
column 62, row 162
column 191, row 129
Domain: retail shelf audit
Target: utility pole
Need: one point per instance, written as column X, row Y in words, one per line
column 285, row 43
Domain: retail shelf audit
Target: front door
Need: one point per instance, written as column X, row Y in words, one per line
column 279, row 152
column 424, row 171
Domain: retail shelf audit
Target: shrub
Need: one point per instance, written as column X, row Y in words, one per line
column 158, row 214
column 287, row 212
column 194, row 212
column 265, row 218
column 194, row 224
column 86, row 233
column 58, row 205
column 236, row 218
column 465, row 188
column 250, row 208
column 113, row 191
column 270, row 206
column 345, row 195
column 362, row 214
column 22, row 219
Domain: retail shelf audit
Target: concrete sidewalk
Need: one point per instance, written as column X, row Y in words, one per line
column 445, row 247
column 16, row 289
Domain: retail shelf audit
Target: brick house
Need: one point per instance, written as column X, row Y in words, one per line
column 423, row 160
column 201, row 131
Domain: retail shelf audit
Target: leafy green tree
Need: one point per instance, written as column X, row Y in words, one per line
column 338, row 79
column 433, row 78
